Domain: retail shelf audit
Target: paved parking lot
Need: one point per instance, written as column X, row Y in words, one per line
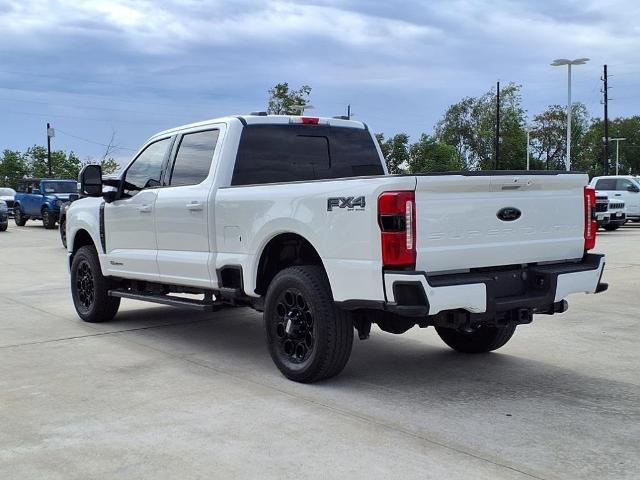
column 165, row 393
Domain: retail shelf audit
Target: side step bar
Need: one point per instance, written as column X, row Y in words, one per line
column 202, row 305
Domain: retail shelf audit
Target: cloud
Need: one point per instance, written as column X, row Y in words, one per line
column 140, row 65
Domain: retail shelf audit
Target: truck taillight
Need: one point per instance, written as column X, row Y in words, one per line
column 397, row 220
column 590, row 222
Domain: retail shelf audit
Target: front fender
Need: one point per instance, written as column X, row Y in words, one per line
column 84, row 215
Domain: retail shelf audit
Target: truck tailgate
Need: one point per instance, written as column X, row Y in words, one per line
column 459, row 225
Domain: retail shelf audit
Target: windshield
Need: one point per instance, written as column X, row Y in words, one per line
column 7, row 192
column 60, row 187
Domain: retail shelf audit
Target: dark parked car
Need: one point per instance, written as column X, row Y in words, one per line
column 42, row 199
column 4, row 216
column 8, row 195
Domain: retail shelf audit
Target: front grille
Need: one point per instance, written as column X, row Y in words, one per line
column 616, row 206
column 601, row 206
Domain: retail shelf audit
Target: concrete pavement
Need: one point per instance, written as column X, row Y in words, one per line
column 164, row 393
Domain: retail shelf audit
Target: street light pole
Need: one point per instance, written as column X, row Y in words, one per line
column 568, row 160
column 557, row 63
column 528, row 147
column 617, row 140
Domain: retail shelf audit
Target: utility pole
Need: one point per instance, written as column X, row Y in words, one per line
column 50, row 133
column 606, row 122
column 498, row 125
column 349, row 111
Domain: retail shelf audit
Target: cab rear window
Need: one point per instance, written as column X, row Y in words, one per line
column 289, row 153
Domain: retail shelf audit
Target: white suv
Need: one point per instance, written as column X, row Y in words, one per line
column 621, row 187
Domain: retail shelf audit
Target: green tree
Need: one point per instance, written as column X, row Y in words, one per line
column 429, row 155
column 13, row 167
column 549, row 137
column 286, row 101
column 62, row 165
column 593, row 146
column 109, row 165
column 469, row 126
column 395, row 151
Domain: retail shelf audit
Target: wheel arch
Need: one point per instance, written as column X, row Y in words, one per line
column 281, row 251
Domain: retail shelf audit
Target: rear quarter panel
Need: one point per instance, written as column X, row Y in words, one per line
column 347, row 240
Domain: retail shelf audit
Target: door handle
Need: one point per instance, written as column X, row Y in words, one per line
column 194, row 206
column 617, row 194
column 144, row 208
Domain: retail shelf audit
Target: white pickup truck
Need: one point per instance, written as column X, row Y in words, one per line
column 298, row 218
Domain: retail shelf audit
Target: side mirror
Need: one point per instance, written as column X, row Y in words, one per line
column 91, row 181
column 633, row 188
column 36, row 191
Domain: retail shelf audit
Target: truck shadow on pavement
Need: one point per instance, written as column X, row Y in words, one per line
column 232, row 342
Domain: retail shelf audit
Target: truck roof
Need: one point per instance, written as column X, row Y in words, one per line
column 254, row 119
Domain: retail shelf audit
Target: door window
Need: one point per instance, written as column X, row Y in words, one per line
column 624, row 184
column 146, row 169
column 194, row 157
column 606, row 184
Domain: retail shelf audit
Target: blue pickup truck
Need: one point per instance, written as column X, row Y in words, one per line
column 40, row 199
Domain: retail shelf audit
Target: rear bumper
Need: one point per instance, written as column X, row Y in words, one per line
column 537, row 288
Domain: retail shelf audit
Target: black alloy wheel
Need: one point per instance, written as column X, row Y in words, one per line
column 295, row 326
column 90, row 289
column 85, row 286
column 308, row 337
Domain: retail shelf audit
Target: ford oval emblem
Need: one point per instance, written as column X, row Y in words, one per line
column 508, row 214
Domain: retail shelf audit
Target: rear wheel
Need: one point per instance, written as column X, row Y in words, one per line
column 480, row 340
column 90, row 289
column 309, row 339
column 48, row 219
column 19, row 218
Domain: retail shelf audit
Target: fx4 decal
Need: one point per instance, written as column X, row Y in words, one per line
column 350, row 203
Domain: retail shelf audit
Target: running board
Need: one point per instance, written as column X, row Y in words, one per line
column 201, row 305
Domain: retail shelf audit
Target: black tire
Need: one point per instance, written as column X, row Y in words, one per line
column 48, row 220
column 20, row 219
column 611, row 227
column 4, row 226
column 481, row 340
column 90, row 289
column 308, row 337
column 63, row 232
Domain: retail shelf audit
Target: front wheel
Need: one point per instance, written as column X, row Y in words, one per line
column 48, row 219
column 480, row 340
column 4, row 226
column 612, row 226
column 19, row 218
column 309, row 339
column 90, row 289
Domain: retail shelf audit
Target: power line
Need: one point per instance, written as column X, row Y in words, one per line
column 94, row 142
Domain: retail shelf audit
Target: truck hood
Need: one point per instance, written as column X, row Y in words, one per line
column 65, row 197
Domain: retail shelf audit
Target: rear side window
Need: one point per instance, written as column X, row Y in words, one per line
column 606, row 184
column 289, row 153
column 194, row 157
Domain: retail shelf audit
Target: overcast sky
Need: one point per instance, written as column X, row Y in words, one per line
column 138, row 66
